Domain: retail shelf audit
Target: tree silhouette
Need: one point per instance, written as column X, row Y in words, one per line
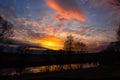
column 74, row 46
column 68, row 43
column 80, row 47
column 114, row 47
column 5, row 28
column 118, row 33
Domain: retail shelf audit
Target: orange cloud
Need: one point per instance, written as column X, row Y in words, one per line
column 50, row 42
column 52, row 36
column 67, row 9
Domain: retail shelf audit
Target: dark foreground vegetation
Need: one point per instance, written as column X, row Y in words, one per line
column 109, row 65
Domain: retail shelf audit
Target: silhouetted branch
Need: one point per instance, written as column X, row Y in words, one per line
column 5, row 28
column 71, row 45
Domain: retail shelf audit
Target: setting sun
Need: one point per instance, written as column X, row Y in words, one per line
column 51, row 43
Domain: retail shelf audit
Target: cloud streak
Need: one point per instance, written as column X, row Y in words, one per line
column 67, row 8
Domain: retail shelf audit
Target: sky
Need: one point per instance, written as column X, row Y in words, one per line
column 48, row 22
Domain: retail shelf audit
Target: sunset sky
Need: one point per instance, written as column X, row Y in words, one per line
column 48, row 22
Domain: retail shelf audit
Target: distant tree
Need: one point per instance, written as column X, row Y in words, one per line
column 118, row 33
column 68, row 43
column 80, row 47
column 5, row 28
column 114, row 47
column 76, row 46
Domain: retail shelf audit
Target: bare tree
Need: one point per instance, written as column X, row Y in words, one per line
column 80, row 47
column 76, row 46
column 114, row 46
column 5, row 28
column 68, row 43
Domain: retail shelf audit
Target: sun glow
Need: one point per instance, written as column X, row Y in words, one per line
column 50, row 43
